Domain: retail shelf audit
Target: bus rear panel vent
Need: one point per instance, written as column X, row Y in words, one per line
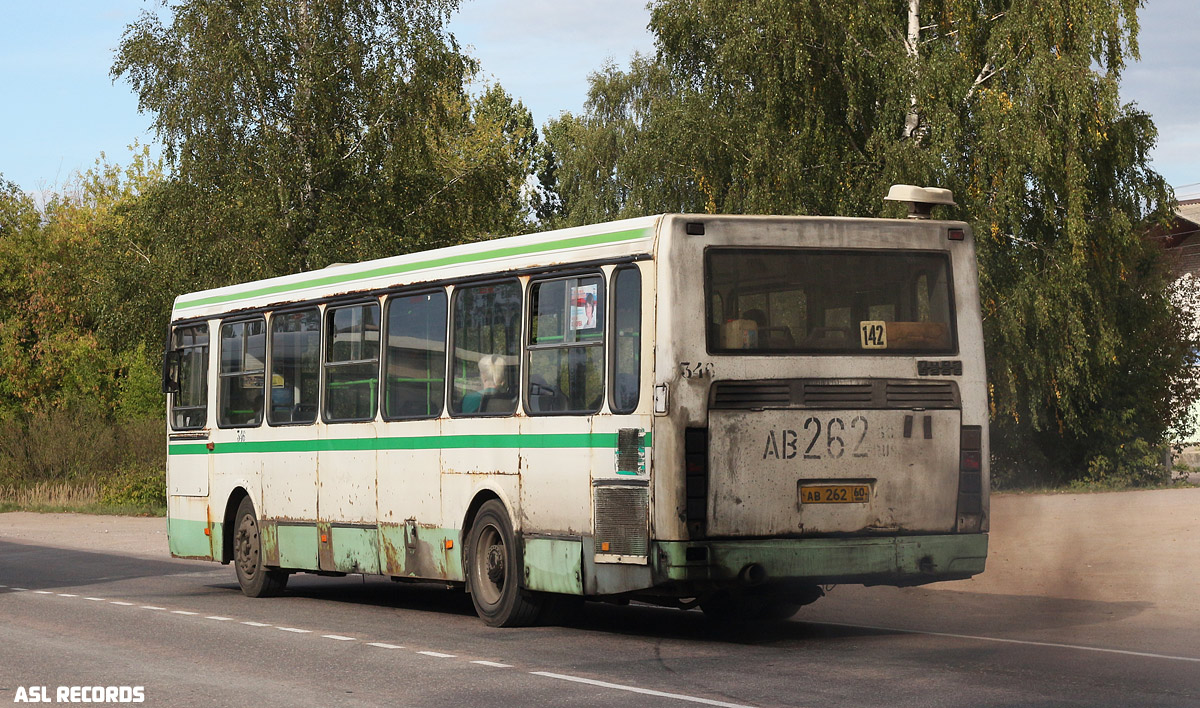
column 921, row 394
column 621, row 520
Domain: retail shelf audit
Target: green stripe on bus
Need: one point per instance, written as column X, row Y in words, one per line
column 341, row 278
column 430, row 442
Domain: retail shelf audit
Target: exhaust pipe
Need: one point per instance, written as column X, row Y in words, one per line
column 753, row 574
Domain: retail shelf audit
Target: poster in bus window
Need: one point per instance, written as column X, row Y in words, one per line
column 584, row 301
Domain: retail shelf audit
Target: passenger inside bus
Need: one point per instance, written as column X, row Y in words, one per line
column 493, row 378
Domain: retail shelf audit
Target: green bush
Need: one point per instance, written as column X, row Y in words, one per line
column 79, row 443
column 71, row 443
column 1134, row 464
column 142, row 486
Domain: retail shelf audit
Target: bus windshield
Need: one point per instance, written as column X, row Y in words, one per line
column 801, row 301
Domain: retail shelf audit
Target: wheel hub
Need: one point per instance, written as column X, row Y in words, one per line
column 495, row 564
column 246, row 552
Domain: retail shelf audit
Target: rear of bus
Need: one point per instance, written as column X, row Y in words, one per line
column 821, row 403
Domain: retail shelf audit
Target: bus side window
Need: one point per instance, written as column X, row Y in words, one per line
column 351, row 362
column 487, row 333
column 414, row 369
column 295, row 367
column 243, row 364
column 189, row 405
column 627, row 340
column 566, row 346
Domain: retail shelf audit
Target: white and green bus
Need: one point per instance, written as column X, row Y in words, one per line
column 723, row 411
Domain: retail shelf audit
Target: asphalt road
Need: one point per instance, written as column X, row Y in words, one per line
column 185, row 633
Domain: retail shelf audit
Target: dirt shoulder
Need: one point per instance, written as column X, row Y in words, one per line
column 1116, row 547
column 1113, row 547
column 126, row 535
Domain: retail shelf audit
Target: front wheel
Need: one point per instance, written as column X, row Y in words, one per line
column 256, row 579
column 494, row 571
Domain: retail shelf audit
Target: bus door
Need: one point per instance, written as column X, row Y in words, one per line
column 412, row 538
column 289, row 470
column 346, row 463
column 189, row 467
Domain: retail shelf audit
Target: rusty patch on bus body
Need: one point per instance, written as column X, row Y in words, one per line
column 325, row 560
column 413, row 556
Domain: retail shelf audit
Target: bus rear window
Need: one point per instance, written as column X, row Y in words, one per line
column 795, row 301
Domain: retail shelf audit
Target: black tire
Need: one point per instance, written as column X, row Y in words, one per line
column 255, row 579
column 494, row 571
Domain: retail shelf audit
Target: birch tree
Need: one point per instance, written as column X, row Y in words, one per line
column 815, row 107
column 331, row 130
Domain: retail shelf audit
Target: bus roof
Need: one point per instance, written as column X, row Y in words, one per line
column 614, row 239
column 595, row 242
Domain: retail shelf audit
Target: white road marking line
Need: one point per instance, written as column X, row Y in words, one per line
column 493, row 663
column 643, row 691
column 339, row 637
column 1025, row 642
column 3, row 586
column 219, row 618
column 66, row 594
column 381, row 645
column 437, row 654
column 20, row 589
column 43, row 592
column 293, row 629
column 152, row 607
column 95, row 599
column 257, row 624
column 183, row 612
column 123, row 604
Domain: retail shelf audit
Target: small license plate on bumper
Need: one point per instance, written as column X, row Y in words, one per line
column 835, row 493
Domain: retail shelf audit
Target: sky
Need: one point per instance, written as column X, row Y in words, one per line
column 60, row 108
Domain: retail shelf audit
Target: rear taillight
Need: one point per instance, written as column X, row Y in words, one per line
column 970, row 479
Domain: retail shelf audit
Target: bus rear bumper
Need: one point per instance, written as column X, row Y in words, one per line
column 893, row 560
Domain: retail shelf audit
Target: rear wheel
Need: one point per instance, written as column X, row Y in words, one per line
column 256, row 579
column 494, row 571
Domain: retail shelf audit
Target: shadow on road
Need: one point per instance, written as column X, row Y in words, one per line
column 848, row 612
column 46, row 568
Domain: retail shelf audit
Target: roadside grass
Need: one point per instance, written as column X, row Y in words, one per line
column 76, row 458
column 93, row 509
column 1092, row 487
column 129, row 492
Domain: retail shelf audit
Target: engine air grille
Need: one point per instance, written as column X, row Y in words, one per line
column 750, row 394
column 621, row 514
column 837, row 395
column 834, row 393
column 910, row 394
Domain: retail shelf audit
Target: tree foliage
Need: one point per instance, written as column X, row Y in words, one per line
column 770, row 106
column 73, row 404
column 53, row 348
column 296, row 133
column 327, row 131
